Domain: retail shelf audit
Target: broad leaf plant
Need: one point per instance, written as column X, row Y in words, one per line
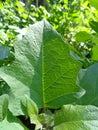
column 45, row 76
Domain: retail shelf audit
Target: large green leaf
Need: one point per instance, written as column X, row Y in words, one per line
column 43, row 69
column 11, row 123
column 88, row 79
column 76, row 118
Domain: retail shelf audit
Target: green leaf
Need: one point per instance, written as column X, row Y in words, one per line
column 3, row 35
column 32, row 111
column 3, row 106
column 94, row 3
column 47, row 119
column 82, row 36
column 95, row 39
column 95, row 53
column 88, row 79
column 43, row 69
column 1, row 5
column 11, row 123
column 76, row 117
column 94, row 25
column 4, row 52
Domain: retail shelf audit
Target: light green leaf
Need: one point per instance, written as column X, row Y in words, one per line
column 11, row 123
column 95, row 39
column 88, row 79
column 3, row 106
column 94, row 3
column 76, row 117
column 1, row 5
column 82, row 36
column 3, row 35
column 43, row 69
column 95, row 53
column 32, row 111
column 47, row 119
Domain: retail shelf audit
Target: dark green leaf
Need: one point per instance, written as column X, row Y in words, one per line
column 88, row 79
column 4, row 52
column 94, row 26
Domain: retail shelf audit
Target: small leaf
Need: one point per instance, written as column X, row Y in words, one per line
column 3, row 106
column 1, row 5
column 82, row 36
column 3, row 35
column 76, row 117
column 47, row 119
column 95, row 39
column 32, row 111
column 94, row 25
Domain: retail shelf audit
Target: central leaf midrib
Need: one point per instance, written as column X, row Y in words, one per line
column 42, row 49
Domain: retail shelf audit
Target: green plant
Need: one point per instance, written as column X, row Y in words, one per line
column 63, row 15
column 41, row 79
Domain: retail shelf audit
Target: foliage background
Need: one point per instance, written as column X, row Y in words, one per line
column 68, row 17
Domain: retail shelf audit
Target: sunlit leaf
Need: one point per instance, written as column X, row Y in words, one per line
column 82, row 36
column 76, row 117
column 43, row 69
column 95, row 53
column 94, row 3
